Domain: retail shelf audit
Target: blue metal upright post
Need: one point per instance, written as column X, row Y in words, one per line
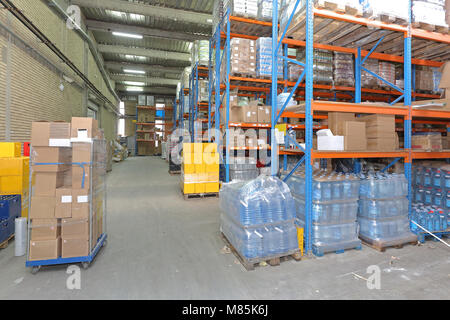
column 285, row 73
column 274, row 88
column 358, row 76
column 408, row 103
column 309, row 123
column 227, row 110
column 209, row 90
column 217, row 93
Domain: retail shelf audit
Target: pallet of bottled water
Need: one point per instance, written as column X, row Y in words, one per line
column 334, row 210
column 257, row 220
column 430, row 218
column 383, row 214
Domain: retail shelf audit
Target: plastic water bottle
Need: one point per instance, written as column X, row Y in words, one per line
column 438, row 197
column 437, row 179
column 428, row 196
column 427, row 178
column 446, row 179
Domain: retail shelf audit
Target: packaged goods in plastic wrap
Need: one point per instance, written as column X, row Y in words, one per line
column 286, row 8
column 243, row 58
column 322, row 65
column 218, row 13
column 282, row 98
column 383, row 209
column 437, row 76
column 200, row 51
column 243, row 169
column 258, row 217
column 67, row 213
column 203, row 90
column 185, row 77
column 424, row 79
column 264, row 58
column 334, row 209
column 344, row 74
column 387, row 72
column 375, row 9
column 265, row 9
column 368, row 80
column 431, row 12
column 242, row 8
column 433, row 218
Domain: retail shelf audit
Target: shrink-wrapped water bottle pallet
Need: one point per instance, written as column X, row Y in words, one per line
column 275, row 260
column 440, row 234
column 382, row 245
column 319, row 251
column 5, row 243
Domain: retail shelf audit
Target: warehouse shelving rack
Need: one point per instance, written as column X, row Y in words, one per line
column 199, row 72
column 232, row 26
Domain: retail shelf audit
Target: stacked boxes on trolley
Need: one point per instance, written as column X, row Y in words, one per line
column 14, row 173
column 68, row 168
column 200, row 168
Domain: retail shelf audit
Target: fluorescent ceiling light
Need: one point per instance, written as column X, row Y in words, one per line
column 209, row 20
column 116, row 13
column 127, row 35
column 134, row 71
column 190, row 45
column 135, row 89
column 134, row 83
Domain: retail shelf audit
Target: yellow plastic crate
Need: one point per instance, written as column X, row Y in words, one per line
column 188, row 168
column 300, row 232
column 13, row 184
column 212, row 187
column 190, row 177
column 213, row 176
column 19, row 166
column 188, row 188
column 200, row 188
column 10, row 149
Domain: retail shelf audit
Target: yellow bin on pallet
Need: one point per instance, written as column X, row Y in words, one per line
column 300, row 233
column 10, row 149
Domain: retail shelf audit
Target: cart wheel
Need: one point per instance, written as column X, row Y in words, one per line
column 85, row 265
column 35, row 269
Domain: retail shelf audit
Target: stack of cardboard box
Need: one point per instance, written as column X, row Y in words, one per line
column 14, row 173
column 353, row 131
column 200, row 168
column 68, row 166
column 243, row 58
column 380, row 130
column 430, row 141
column 254, row 112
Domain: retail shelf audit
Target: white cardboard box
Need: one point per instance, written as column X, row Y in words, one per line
column 330, row 143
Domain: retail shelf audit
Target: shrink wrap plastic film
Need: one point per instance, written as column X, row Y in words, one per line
column 258, row 217
column 322, row 65
column 431, row 12
column 344, row 73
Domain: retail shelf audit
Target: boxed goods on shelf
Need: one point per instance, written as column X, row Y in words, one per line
column 243, row 169
column 427, row 141
column 200, row 168
column 264, row 58
column 258, row 218
column 322, row 65
column 386, row 10
column 243, row 58
column 68, row 190
column 265, row 11
column 326, row 141
column 431, row 12
column 242, row 8
column 380, row 132
column 387, row 72
column 334, row 209
column 343, row 71
column 200, row 52
column 368, row 80
column 383, row 210
column 203, row 91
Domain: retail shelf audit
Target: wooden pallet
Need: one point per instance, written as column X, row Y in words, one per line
column 382, row 246
column 320, row 252
column 174, row 173
column 5, row 243
column 190, row 196
column 430, row 27
column 250, row 264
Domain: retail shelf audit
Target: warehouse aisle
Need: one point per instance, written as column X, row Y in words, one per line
column 162, row 247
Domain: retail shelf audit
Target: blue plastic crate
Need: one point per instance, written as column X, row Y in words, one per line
column 7, row 227
column 10, row 206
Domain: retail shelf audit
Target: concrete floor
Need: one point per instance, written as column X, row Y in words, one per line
column 163, row 247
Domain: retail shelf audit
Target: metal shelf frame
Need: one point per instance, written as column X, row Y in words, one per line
column 222, row 38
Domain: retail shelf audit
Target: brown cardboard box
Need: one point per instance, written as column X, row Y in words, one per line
column 249, row 114
column 382, row 144
column 429, row 142
column 81, row 152
column 355, row 136
column 46, row 182
column 445, row 79
column 385, row 121
column 74, row 228
column 80, row 203
column 42, row 207
column 43, row 133
column 379, row 132
column 45, row 249
column 62, row 156
column 84, row 128
column 64, row 201
column 235, row 114
column 77, row 177
column 336, row 121
column 75, row 247
column 45, row 229
column 264, row 114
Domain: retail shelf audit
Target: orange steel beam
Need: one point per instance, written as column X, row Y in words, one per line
column 288, row 114
column 431, row 114
column 425, row 122
column 430, row 155
column 347, row 155
column 354, row 107
column 251, row 21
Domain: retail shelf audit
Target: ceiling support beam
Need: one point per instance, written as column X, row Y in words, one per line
column 146, row 80
column 152, row 53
